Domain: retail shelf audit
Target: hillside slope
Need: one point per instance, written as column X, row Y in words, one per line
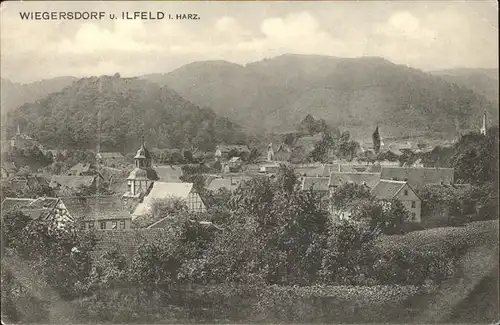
column 16, row 94
column 275, row 94
column 118, row 111
column 481, row 81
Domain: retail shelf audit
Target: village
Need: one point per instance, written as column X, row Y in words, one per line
column 132, row 185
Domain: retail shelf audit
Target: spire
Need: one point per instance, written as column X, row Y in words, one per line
column 376, row 140
column 483, row 128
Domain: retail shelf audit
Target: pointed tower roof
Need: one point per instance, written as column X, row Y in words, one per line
column 142, row 153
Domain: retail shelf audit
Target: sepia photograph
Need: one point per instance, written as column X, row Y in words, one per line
column 249, row 162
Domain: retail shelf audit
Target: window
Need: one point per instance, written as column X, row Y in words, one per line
column 122, row 224
column 413, row 216
column 413, row 204
column 91, row 225
column 406, row 192
column 103, row 225
column 114, row 225
column 82, row 226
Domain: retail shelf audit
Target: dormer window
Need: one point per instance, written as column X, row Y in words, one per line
column 406, row 192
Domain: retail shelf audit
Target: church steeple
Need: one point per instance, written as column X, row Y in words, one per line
column 483, row 128
column 142, row 157
column 143, row 175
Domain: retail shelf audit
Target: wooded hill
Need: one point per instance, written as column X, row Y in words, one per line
column 275, row 94
column 123, row 109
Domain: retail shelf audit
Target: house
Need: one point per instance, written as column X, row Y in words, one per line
column 81, row 169
column 319, row 186
column 31, row 182
column 99, row 212
column 314, row 170
column 230, row 183
column 162, row 190
column 21, row 140
column 8, row 169
column 223, row 151
column 234, row 163
column 269, row 168
column 43, row 208
column 169, row 221
column 111, row 159
column 72, row 183
column 418, row 177
column 401, row 190
column 367, row 179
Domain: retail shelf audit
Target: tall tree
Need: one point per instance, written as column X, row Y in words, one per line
column 376, row 141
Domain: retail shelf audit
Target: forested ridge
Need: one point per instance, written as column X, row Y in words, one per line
column 116, row 112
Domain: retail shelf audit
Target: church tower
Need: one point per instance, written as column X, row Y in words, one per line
column 483, row 128
column 140, row 179
column 270, row 152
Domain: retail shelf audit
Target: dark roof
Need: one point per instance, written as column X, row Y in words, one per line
column 386, row 189
column 231, row 183
column 97, row 208
column 144, row 174
column 118, row 185
column 79, row 169
column 73, row 182
column 369, row 179
column 228, row 147
column 15, row 203
column 417, row 176
column 315, row 183
column 142, row 153
column 169, row 173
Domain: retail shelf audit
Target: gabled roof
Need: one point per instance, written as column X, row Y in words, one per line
column 40, row 208
column 97, row 208
column 118, row 185
column 162, row 190
column 418, row 176
column 73, row 182
column 231, row 183
column 386, row 189
column 369, row 179
column 169, row 174
column 15, row 203
column 315, row 183
column 79, row 169
column 310, row 171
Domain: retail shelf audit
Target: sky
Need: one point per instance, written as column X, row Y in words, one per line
column 429, row 35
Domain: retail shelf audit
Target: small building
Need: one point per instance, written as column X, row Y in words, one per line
column 388, row 190
column 99, row 212
column 320, row 186
column 418, row 177
column 230, row 183
column 234, row 164
column 161, row 190
column 269, row 168
column 72, row 183
column 21, row 140
column 111, row 159
column 43, row 208
column 81, row 169
column 224, row 151
column 367, row 179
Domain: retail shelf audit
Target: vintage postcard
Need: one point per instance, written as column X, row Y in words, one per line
column 249, row 162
